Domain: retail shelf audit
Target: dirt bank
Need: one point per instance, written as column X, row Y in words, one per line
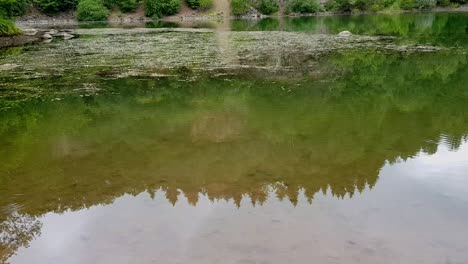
column 17, row 40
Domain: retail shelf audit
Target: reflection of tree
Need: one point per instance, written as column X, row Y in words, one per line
column 235, row 138
column 435, row 28
column 17, row 231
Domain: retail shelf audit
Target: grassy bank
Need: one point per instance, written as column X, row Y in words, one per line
column 8, row 28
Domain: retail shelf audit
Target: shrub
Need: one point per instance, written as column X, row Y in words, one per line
column 342, row 5
column 55, row 6
column 109, row 4
column 304, row 6
column 92, row 10
column 407, row 4
column 127, row 5
column 205, row 4
column 124, row 5
column 426, row 4
column 157, row 8
column 443, row 2
column 7, row 28
column 239, row 7
column 10, row 8
column 199, row 4
column 268, row 7
column 194, row 4
column 329, row 5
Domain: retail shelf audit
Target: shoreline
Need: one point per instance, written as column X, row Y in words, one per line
column 67, row 22
column 70, row 20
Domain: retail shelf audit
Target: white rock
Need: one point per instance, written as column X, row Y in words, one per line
column 67, row 36
column 345, row 33
column 29, row 32
column 46, row 36
column 52, row 32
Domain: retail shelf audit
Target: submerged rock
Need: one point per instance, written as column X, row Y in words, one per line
column 345, row 33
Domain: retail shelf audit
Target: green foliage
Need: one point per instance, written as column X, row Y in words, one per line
column 10, row 8
column 304, row 6
column 268, row 7
column 157, row 8
column 92, row 10
column 425, row 4
column 199, row 4
column 194, row 4
column 7, row 28
column 407, row 4
column 443, row 2
column 127, row 5
column 55, row 6
column 206, row 4
column 341, row 5
column 124, row 5
column 240, row 7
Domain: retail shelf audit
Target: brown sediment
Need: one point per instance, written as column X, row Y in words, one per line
column 17, row 40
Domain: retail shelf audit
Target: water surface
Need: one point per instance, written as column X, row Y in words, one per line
column 310, row 148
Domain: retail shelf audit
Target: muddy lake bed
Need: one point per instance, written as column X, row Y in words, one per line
column 240, row 141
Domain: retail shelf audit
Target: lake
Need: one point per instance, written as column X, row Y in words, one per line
column 243, row 141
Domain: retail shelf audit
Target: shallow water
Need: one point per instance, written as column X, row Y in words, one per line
column 238, row 147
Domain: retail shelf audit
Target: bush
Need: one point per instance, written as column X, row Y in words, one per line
column 157, row 8
column 7, row 28
column 268, row 7
column 55, row 6
column 92, row 10
column 199, row 4
column 127, row 5
column 124, row 5
column 426, row 4
column 194, row 4
column 443, row 2
column 206, row 4
column 407, row 4
column 239, row 7
column 304, row 6
column 11, row 8
column 342, row 5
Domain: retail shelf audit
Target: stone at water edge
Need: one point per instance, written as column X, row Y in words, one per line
column 46, row 36
column 29, row 32
column 67, row 36
column 52, row 32
column 345, row 33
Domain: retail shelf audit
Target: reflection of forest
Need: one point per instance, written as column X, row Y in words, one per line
column 446, row 29
column 226, row 138
column 229, row 138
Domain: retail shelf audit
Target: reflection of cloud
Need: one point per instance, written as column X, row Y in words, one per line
column 445, row 171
